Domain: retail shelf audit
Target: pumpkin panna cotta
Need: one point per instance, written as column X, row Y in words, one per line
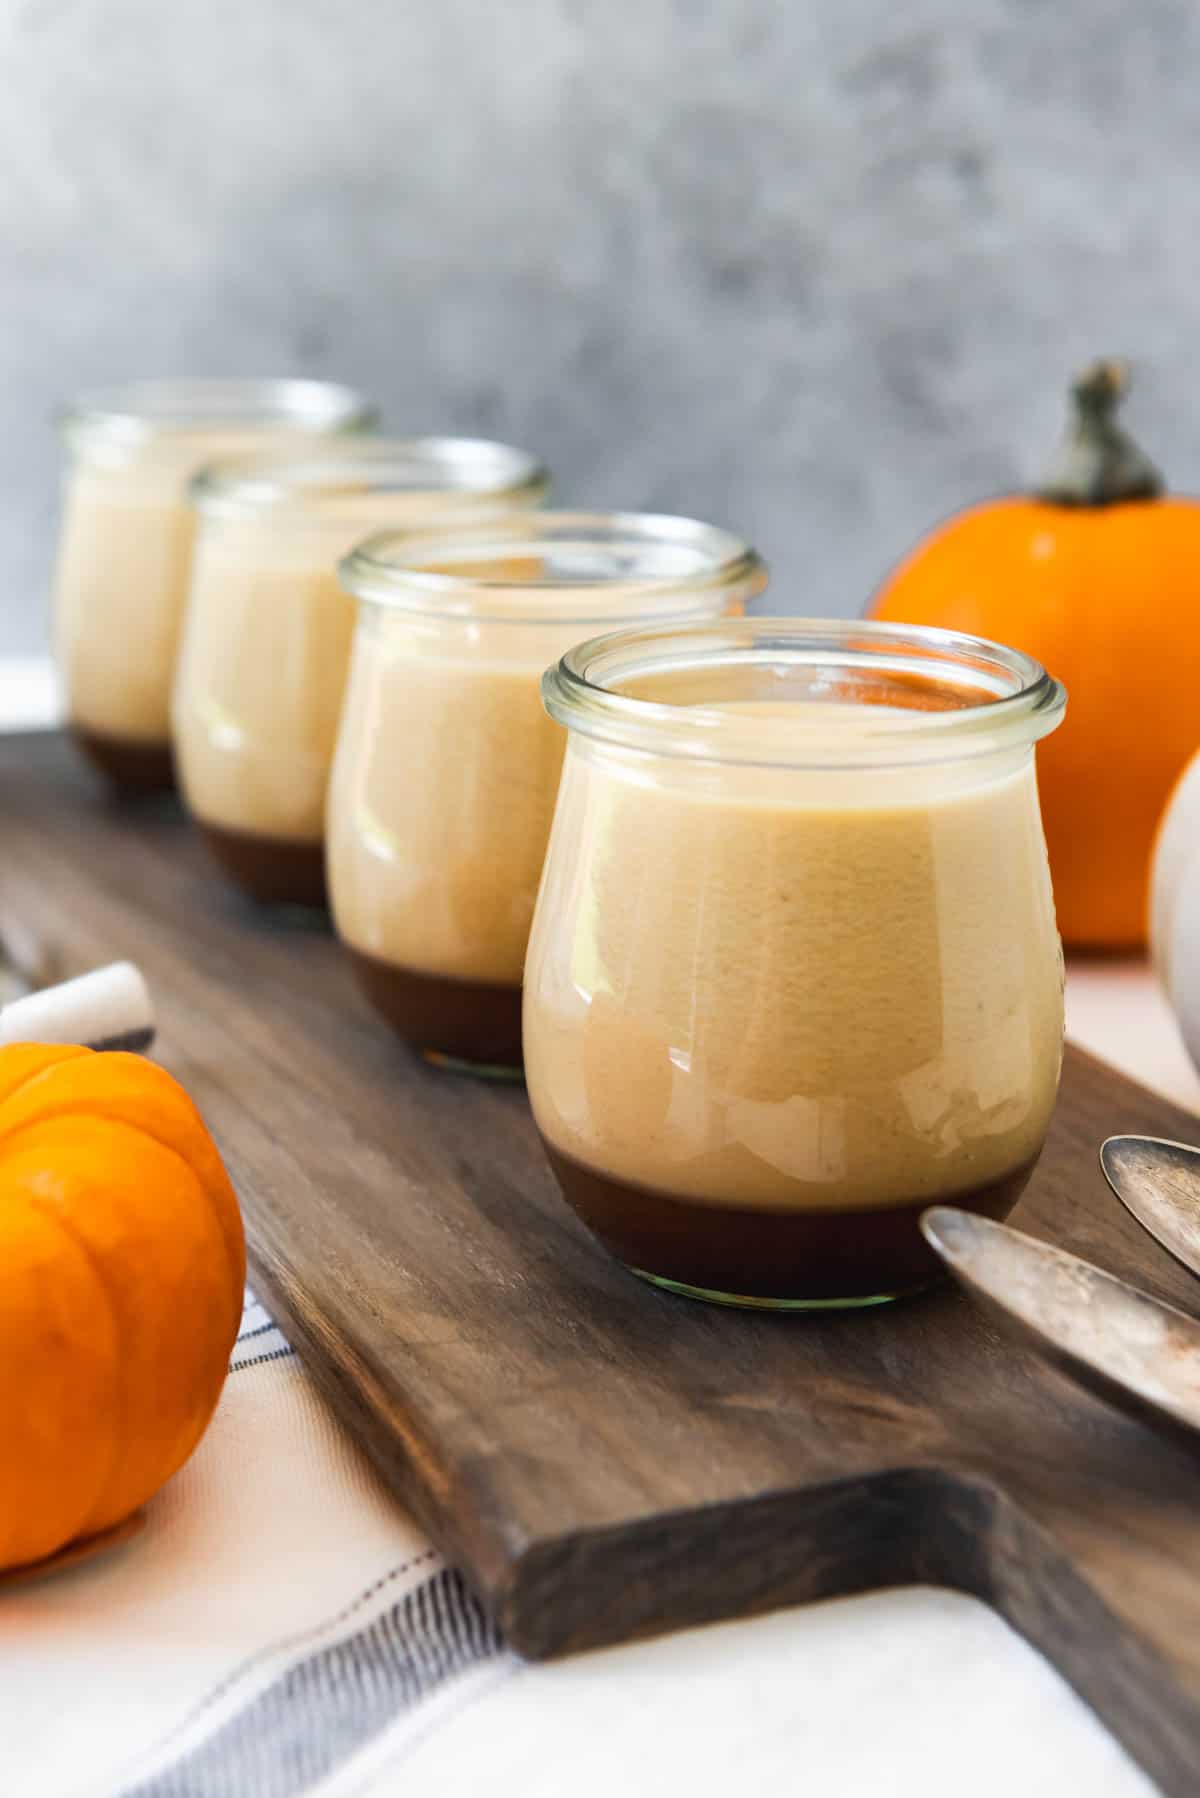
column 122, row 1278
column 1094, row 575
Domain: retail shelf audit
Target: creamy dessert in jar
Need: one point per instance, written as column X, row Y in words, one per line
column 794, row 974
column 447, row 765
column 266, row 645
column 126, row 543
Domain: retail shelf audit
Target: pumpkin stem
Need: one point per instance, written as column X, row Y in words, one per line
column 1100, row 464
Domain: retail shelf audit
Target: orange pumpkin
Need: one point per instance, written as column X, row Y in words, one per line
column 122, row 1264
column 1096, row 575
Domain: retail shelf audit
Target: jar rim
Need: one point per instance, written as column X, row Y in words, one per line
column 652, row 563
column 458, row 465
column 132, row 413
column 1010, row 698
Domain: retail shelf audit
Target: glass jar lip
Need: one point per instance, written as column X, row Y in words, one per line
column 462, row 466
column 654, row 563
column 1024, row 702
column 132, row 413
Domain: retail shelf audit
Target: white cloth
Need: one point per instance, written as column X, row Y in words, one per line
column 282, row 1627
column 29, row 697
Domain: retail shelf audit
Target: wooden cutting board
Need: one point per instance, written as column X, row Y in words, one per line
column 604, row 1460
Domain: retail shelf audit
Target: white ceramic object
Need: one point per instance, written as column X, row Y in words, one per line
column 1175, row 905
column 110, row 1008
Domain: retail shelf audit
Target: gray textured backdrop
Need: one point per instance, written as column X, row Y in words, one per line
column 811, row 268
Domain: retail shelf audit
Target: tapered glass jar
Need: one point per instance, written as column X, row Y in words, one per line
column 447, row 766
column 794, row 973
column 266, row 644
column 126, row 543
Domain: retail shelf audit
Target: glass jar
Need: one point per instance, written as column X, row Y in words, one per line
column 266, row 643
column 794, row 973
column 126, row 543
column 446, row 768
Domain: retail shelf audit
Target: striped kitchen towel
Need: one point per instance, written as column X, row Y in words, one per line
column 280, row 1628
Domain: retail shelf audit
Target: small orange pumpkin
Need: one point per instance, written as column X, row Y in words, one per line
column 1096, row 575
column 122, row 1264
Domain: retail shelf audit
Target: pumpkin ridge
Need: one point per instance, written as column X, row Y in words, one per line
column 42, row 1073
column 46, row 1206
column 125, row 1266
column 63, row 1224
column 122, row 1125
column 72, row 1111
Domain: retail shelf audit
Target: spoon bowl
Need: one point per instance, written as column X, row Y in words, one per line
column 1158, row 1182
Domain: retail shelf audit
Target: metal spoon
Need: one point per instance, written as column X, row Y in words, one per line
column 1131, row 1349
column 1158, row 1182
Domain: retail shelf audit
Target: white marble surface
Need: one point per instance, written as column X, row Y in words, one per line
column 912, row 1694
column 1117, row 1009
column 28, row 694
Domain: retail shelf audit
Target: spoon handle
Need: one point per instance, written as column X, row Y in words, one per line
column 1119, row 1343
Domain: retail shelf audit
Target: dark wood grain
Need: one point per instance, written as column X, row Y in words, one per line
column 602, row 1459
